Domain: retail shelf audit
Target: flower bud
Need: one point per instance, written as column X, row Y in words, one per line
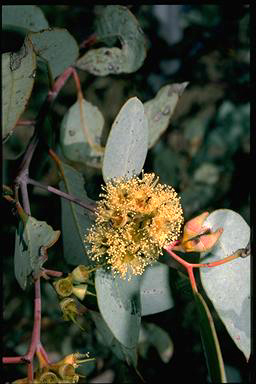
column 80, row 274
column 194, row 227
column 80, row 291
column 202, row 243
column 64, row 286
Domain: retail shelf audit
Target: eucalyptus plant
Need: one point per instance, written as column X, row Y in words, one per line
column 120, row 248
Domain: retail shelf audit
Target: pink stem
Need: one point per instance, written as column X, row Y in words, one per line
column 188, row 266
column 90, row 206
column 201, row 265
column 53, row 273
column 37, row 321
column 14, row 360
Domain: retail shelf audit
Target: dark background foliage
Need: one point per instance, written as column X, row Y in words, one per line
column 204, row 154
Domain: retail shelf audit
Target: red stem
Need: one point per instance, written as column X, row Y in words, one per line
column 14, row 360
column 37, row 321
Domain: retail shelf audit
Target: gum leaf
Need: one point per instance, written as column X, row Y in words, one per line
column 228, row 285
column 127, row 143
column 155, row 291
column 30, row 238
column 123, row 353
column 75, row 219
column 29, row 17
column 18, row 76
column 160, row 109
column 74, row 141
column 57, row 46
column 115, row 22
column 119, row 304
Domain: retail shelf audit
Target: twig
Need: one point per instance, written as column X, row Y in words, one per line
column 89, row 206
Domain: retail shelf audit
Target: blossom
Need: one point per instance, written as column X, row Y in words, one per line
column 135, row 219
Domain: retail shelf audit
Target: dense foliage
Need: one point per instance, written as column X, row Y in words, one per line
column 175, row 78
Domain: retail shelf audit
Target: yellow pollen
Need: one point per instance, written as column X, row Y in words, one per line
column 135, row 219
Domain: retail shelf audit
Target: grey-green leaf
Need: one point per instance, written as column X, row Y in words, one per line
column 152, row 334
column 116, row 21
column 29, row 17
column 57, row 46
column 82, row 123
column 155, row 291
column 18, row 76
column 75, row 219
column 228, row 285
column 119, row 304
column 123, row 353
column 127, row 143
column 210, row 341
column 160, row 109
column 28, row 248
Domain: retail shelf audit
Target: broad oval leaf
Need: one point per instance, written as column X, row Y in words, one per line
column 116, row 21
column 228, row 285
column 123, row 353
column 155, row 291
column 29, row 17
column 160, row 109
column 75, row 219
column 30, row 238
column 18, row 76
column 81, row 131
column 57, row 46
column 127, row 143
column 119, row 304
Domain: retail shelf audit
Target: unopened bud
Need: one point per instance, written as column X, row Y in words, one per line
column 80, row 291
column 194, row 227
column 202, row 243
column 80, row 274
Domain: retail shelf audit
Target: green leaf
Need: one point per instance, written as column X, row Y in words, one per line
column 155, row 291
column 116, row 21
column 119, row 304
column 30, row 238
column 160, row 109
column 228, row 285
column 210, row 341
column 152, row 334
column 123, row 353
column 57, row 46
column 18, row 76
column 80, row 133
column 75, row 219
column 127, row 143
column 29, row 17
